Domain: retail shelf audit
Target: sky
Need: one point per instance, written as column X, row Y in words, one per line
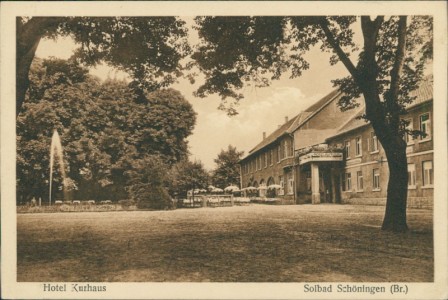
column 261, row 110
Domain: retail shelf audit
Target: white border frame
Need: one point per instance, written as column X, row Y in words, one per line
column 9, row 10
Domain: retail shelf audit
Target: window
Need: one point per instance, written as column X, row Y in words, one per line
column 285, row 154
column 360, row 181
column 358, row 146
column 373, row 142
column 408, row 137
column 260, row 162
column 265, row 159
column 347, row 149
column 343, row 182
column 348, row 181
column 279, row 153
column 256, row 163
column 411, row 176
column 428, row 178
column 271, row 160
column 290, row 149
column 376, row 179
column 425, row 126
column 308, row 180
column 282, row 184
column 290, row 184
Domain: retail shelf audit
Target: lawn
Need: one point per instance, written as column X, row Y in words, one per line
column 256, row 243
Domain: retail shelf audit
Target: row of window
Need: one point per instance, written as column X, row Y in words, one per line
column 427, row 175
column 425, row 128
column 347, row 181
column 284, row 150
column 427, row 178
column 372, row 142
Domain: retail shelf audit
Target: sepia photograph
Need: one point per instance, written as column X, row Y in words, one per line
column 155, row 151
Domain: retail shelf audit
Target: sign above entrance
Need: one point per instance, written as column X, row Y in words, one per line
column 320, row 156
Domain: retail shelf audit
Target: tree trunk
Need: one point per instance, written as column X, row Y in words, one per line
column 28, row 38
column 395, row 149
column 24, row 58
column 385, row 123
column 397, row 187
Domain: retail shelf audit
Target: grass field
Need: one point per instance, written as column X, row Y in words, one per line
column 256, row 243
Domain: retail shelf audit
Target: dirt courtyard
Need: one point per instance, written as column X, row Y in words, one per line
column 254, row 243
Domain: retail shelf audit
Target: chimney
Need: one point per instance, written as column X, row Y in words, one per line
column 286, row 119
column 264, row 135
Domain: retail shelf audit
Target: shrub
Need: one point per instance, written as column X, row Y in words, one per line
column 155, row 197
column 146, row 183
column 126, row 204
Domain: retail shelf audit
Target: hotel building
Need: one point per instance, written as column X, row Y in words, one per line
column 324, row 155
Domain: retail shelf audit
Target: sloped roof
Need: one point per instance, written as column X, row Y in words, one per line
column 313, row 109
column 294, row 123
column 319, row 104
column 353, row 123
column 423, row 94
column 275, row 135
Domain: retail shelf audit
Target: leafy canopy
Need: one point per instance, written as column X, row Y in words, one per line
column 238, row 51
column 149, row 49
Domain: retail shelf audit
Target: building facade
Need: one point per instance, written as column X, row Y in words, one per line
column 323, row 155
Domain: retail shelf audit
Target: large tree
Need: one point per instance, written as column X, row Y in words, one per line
column 104, row 127
column 227, row 171
column 149, row 49
column 235, row 51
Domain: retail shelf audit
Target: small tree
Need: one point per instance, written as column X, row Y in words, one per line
column 227, row 171
column 189, row 176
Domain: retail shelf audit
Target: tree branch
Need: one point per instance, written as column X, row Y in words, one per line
column 399, row 58
column 392, row 94
column 370, row 30
column 324, row 24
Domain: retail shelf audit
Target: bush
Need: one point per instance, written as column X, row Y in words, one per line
column 155, row 197
column 146, row 183
column 126, row 204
